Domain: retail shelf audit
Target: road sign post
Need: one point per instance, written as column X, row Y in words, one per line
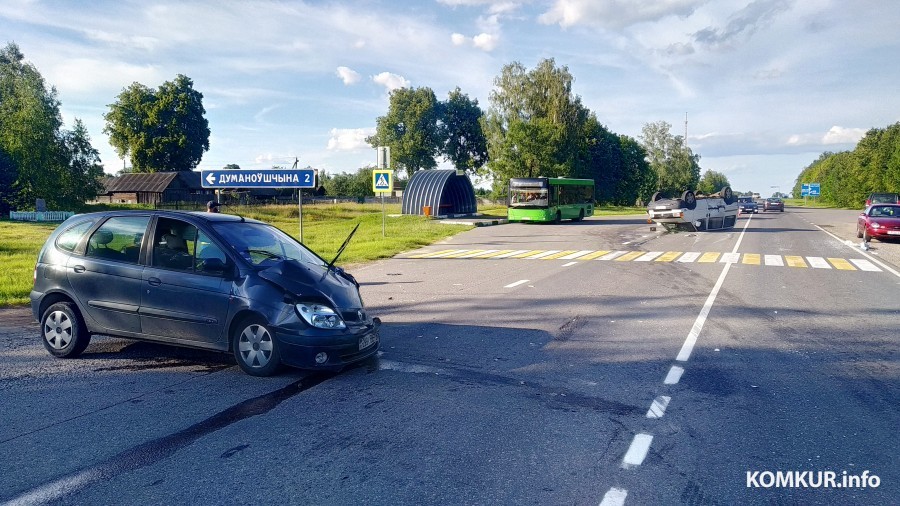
column 382, row 182
column 265, row 178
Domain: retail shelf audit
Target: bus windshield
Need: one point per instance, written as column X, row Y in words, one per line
column 528, row 197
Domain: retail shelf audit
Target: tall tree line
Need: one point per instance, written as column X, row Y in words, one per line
column 534, row 126
column 847, row 178
column 38, row 158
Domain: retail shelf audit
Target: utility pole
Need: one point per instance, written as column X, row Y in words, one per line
column 685, row 129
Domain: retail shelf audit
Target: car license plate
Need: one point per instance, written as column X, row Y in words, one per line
column 367, row 340
column 893, row 232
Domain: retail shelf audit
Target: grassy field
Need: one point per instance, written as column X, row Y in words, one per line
column 325, row 227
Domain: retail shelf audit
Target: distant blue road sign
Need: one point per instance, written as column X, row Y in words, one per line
column 804, row 189
column 270, row 178
column 814, row 190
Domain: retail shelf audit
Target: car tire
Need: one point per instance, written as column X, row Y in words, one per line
column 580, row 215
column 689, row 200
column 866, row 237
column 63, row 331
column 859, row 233
column 727, row 195
column 558, row 219
column 656, row 196
column 255, row 348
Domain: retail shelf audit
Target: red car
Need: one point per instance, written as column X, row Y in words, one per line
column 881, row 221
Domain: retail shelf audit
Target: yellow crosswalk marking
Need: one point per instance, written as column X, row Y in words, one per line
column 591, row 256
column 708, row 258
column 631, row 255
column 560, row 254
column 494, row 254
column 841, row 264
column 432, row 253
column 751, row 259
column 668, row 256
column 528, row 253
column 794, row 261
column 463, row 252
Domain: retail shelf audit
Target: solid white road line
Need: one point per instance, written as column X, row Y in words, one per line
column 863, row 253
column 774, row 260
column 637, row 452
column 691, row 340
column 674, row 375
column 614, row 497
column 517, row 283
column 658, row 408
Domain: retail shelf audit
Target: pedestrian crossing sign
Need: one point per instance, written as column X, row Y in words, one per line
column 382, row 181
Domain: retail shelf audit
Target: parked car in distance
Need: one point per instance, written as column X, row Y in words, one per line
column 202, row 280
column 747, row 205
column 883, row 198
column 881, row 221
column 773, row 204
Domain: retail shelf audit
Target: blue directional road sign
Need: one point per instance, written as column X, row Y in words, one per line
column 269, row 178
column 814, row 190
column 804, row 189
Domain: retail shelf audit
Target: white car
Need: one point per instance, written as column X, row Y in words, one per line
column 694, row 211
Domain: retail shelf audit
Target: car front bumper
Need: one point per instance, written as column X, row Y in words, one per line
column 300, row 345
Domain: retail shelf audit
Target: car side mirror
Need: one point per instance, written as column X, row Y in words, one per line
column 214, row 266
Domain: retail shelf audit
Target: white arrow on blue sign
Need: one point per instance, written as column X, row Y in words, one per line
column 270, row 178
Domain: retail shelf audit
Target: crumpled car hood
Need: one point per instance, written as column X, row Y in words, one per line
column 305, row 282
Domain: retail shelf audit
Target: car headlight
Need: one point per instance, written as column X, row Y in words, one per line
column 320, row 316
column 875, row 224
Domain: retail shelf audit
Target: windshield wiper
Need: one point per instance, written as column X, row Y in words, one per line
column 340, row 271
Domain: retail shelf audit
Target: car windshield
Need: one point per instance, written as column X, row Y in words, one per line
column 745, row 200
column 261, row 244
column 528, row 197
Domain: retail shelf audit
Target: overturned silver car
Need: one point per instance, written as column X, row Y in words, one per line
column 694, row 211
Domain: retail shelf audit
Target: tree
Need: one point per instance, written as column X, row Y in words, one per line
column 161, row 131
column 535, row 123
column 711, row 182
column 463, row 141
column 38, row 159
column 410, row 128
column 639, row 181
column 232, row 166
column 84, row 170
column 676, row 167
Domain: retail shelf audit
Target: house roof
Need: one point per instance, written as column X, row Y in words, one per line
column 156, row 182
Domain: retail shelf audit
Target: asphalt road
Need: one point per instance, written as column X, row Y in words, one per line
column 590, row 372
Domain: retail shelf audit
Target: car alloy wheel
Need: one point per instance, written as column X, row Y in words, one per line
column 255, row 349
column 63, row 332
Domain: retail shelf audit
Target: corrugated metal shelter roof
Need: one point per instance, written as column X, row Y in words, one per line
column 156, row 182
column 443, row 190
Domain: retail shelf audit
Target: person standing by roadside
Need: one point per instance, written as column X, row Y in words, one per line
column 212, row 206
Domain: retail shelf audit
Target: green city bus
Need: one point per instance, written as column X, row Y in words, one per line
column 550, row 199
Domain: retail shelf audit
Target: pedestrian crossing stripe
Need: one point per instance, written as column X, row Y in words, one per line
column 796, row 261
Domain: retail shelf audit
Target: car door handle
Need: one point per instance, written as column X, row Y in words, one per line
column 78, row 268
column 154, row 281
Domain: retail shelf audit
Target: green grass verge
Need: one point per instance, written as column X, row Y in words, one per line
column 325, row 227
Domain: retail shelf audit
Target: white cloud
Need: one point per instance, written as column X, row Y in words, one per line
column 81, row 75
column 835, row 135
column 348, row 75
column 841, row 135
column 615, row 14
column 391, row 81
column 349, row 139
column 485, row 41
column 458, row 39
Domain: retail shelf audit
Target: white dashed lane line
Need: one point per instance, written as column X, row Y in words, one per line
column 517, row 283
column 637, row 452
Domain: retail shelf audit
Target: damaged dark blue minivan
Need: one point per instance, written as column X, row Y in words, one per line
column 203, row 280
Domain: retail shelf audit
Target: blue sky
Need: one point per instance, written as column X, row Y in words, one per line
column 767, row 85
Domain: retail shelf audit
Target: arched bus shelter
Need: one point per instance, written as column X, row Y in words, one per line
column 439, row 193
